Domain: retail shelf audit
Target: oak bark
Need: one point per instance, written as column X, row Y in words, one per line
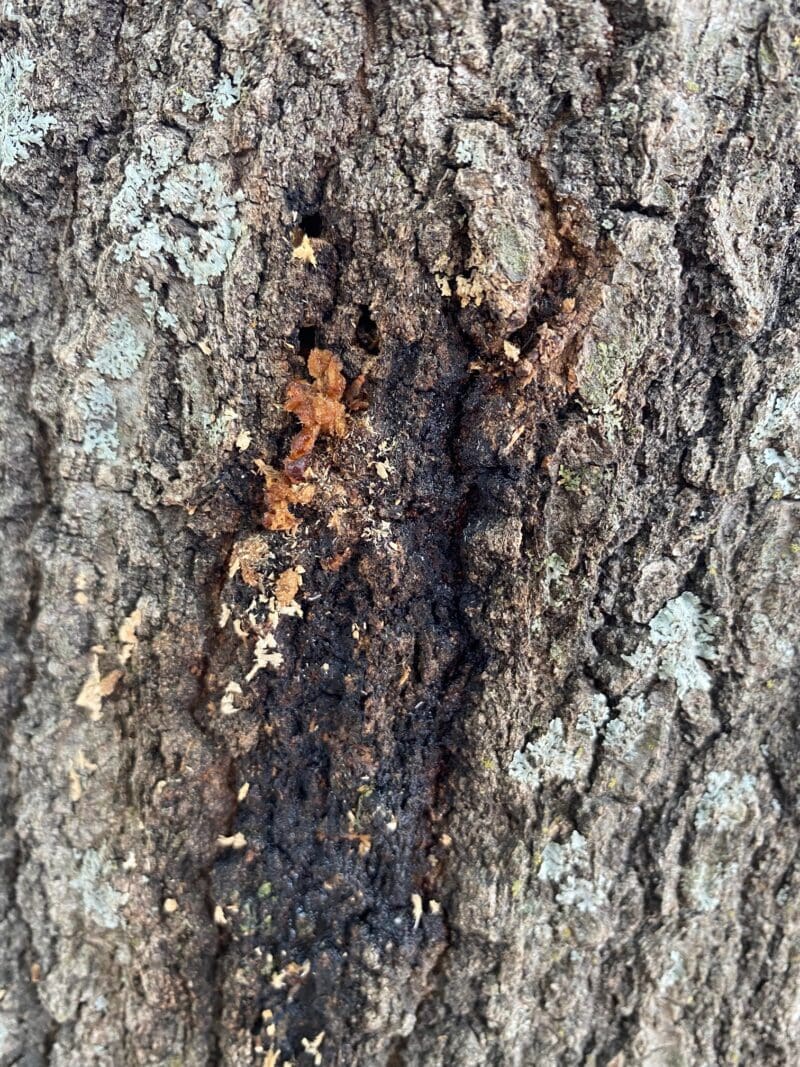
column 493, row 757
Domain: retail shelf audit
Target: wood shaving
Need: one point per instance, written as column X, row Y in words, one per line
column 235, row 841
column 127, row 634
column 416, row 908
column 318, row 407
column 252, row 556
column 304, row 251
column 364, row 842
column 96, row 688
column 312, row 1048
column 292, row 972
column 287, row 585
column 75, row 789
column 227, row 705
column 281, row 494
column 264, row 658
column 515, row 436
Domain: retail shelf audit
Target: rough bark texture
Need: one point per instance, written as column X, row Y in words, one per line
column 493, row 758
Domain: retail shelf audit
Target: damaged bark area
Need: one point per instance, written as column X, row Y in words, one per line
column 400, row 497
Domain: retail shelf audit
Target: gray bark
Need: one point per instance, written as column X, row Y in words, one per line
column 510, row 778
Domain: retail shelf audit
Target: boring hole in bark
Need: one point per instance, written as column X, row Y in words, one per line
column 311, row 225
column 306, row 340
column 367, row 333
column 559, row 285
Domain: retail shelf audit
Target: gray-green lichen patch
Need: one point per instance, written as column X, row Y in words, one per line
column 555, row 585
column 625, row 735
column 774, row 433
column 20, row 126
column 727, row 801
column 568, row 868
column 97, row 407
column 224, row 95
column 560, row 755
column 681, row 642
column 117, row 358
column 634, row 743
column 7, row 339
column 704, row 884
column 624, row 333
column 506, row 249
column 121, row 352
column 602, row 374
column 785, row 471
column 674, row 974
column 171, row 210
column 154, row 311
column 101, row 901
column 218, row 100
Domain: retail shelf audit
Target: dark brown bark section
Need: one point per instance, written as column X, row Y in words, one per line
column 553, row 250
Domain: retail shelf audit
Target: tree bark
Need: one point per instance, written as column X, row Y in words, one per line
column 400, row 532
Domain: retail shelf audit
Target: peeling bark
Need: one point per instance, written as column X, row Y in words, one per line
column 493, row 758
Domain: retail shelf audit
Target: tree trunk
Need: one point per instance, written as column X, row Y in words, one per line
column 400, row 495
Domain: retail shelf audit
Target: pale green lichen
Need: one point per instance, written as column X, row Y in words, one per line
column 218, row 100
column 674, row 974
column 20, row 126
column 705, row 883
column 681, row 642
column 224, row 95
column 98, row 408
column 624, row 735
column 122, row 351
column 101, row 901
column 160, row 192
column 727, row 801
column 102, row 441
column 166, row 318
column 557, row 757
column 779, row 412
column 117, row 359
column 567, row 867
column 513, row 254
column 775, row 418
column 7, row 339
column 600, row 381
column 545, row 759
column 469, row 150
column 569, row 479
column 189, row 100
column 554, row 579
column 151, row 307
column 785, row 471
